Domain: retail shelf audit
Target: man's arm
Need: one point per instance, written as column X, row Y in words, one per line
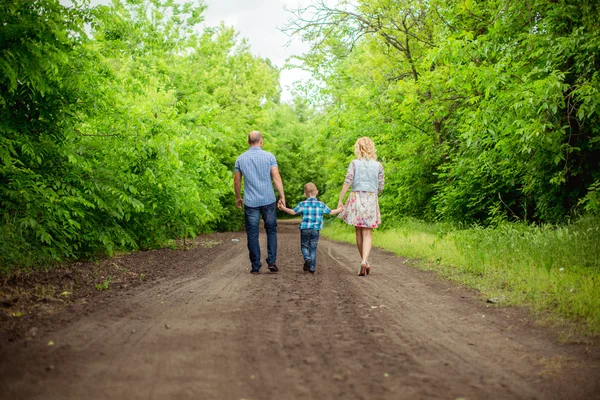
column 278, row 184
column 237, row 188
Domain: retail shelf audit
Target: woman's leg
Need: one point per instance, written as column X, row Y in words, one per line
column 367, row 243
column 359, row 240
column 360, row 243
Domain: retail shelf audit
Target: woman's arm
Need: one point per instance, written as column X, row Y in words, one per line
column 342, row 195
column 381, row 179
column 347, row 183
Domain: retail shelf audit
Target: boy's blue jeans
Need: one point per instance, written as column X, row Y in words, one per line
column 252, row 221
column 308, row 244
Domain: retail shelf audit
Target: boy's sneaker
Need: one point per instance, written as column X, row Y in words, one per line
column 312, row 271
column 306, row 265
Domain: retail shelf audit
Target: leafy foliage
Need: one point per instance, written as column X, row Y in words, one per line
column 119, row 126
column 482, row 111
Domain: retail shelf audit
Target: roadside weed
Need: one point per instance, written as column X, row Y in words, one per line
column 104, row 285
column 553, row 269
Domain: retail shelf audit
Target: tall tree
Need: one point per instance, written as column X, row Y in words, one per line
column 482, row 110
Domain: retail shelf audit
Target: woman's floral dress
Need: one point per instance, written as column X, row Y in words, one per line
column 362, row 208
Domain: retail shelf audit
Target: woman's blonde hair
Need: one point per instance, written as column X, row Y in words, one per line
column 365, row 148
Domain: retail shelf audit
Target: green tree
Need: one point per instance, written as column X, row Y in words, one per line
column 120, row 125
column 481, row 111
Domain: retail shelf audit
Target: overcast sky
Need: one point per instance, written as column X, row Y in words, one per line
column 258, row 21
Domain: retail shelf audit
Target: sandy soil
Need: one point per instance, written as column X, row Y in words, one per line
column 203, row 327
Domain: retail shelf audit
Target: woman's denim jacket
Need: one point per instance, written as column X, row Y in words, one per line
column 366, row 176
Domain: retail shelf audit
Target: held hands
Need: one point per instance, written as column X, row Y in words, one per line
column 337, row 210
column 281, row 202
column 281, row 205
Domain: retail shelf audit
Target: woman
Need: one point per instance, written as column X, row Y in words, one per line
column 365, row 177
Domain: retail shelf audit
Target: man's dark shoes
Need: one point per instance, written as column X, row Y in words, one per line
column 306, row 265
column 273, row 268
column 255, row 272
column 312, row 271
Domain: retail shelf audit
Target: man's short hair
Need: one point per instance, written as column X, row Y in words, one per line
column 254, row 137
column 310, row 189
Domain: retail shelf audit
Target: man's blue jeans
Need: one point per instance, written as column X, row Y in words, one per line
column 309, row 238
column 252, row 220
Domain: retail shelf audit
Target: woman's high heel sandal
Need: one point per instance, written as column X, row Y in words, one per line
column 363, row 268
column 368, row 268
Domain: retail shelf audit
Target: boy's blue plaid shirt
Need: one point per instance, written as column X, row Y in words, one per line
column 312, row 211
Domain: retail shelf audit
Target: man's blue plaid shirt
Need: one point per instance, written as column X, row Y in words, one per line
column 255, row 166
column 312, row 211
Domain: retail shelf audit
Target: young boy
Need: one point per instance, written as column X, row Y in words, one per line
column 312, row 211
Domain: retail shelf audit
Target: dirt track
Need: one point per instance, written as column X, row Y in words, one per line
column 208, row 329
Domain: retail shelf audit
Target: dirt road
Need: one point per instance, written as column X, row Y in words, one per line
column 208, row 329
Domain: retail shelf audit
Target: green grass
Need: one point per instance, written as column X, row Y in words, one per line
column 553, row 269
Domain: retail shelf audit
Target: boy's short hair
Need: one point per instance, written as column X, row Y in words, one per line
column 310, row 189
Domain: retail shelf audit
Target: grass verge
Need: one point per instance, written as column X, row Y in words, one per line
column 553, row 269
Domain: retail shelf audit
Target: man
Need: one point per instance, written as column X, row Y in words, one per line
column 258, row 167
